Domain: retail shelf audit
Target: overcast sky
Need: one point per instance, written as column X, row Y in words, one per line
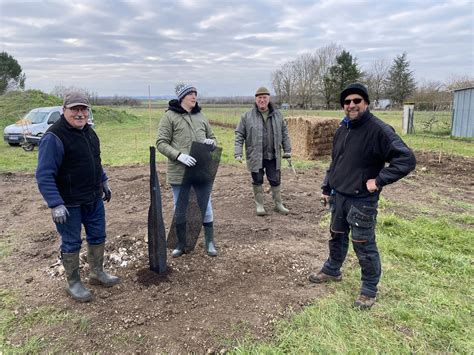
column 225, row 48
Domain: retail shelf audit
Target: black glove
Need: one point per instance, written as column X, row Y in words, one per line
column 107, row 191
column 59, row 214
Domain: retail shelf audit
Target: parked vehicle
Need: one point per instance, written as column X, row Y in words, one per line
column 34, row 124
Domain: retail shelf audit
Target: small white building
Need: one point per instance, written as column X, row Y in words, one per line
column 463, row 113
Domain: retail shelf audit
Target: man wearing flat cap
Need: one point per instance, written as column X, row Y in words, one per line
column 265, row 134
column 362, row 147
column 74, row 185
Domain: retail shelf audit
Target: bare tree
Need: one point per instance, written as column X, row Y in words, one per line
column 305, row 71
column 459, row 82
column 284, row 83
column 325, row 58
column 429, row 94
column 61, row 91
column 375, row 78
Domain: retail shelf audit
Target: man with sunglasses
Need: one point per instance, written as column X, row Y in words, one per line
column 74, row 185
column 362, row 146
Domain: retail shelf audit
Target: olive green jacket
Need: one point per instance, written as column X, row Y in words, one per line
column 250, row 131
column 176, row 132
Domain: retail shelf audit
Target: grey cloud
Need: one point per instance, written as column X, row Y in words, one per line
column 226, row 48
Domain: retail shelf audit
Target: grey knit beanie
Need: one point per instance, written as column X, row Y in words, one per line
column 183, row 90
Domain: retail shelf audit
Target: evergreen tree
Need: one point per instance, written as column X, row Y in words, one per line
column 401, row 82
column 344, row 72
column 11, row 74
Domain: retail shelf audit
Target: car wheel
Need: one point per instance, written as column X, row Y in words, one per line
column 28, row 147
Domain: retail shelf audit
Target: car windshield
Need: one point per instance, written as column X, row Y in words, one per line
column 36, row 117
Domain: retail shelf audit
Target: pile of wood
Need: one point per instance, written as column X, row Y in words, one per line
column 312, row 137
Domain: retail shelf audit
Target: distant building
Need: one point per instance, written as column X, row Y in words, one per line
column 463, row 113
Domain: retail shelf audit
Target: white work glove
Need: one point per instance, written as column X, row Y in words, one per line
column 59, row 214
column 286, row 156
column 186, row 160
column 238, row 158
column 209, row 141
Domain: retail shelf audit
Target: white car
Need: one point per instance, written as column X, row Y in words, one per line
column 35, row 123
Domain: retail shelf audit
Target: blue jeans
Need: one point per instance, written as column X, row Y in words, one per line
column 358, row 216
column 203, row 195
column 92, row 216
column 269, row 169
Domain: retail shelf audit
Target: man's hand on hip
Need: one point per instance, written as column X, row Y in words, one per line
column 59, row 214
column 371, row 185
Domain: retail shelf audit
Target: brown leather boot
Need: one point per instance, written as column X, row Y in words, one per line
column 321, row 277
column 364, row 302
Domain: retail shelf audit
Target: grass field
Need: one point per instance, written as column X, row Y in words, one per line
column 126, row 135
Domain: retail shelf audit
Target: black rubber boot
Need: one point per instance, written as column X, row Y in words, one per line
column 75, row 288
column 181, row 235
column 95, row 257
column 209, row 238
column 258, row 197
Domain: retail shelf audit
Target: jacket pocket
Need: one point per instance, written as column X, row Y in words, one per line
column 362, row 220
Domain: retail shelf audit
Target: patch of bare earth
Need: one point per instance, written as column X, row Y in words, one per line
column 202, row 304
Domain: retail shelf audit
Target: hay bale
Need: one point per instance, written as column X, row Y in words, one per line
column 312, row 137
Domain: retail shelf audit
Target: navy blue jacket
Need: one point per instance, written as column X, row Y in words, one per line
column 69, row 167
column 361, row 149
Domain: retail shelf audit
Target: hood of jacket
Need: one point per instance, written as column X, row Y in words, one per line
column 175, row 106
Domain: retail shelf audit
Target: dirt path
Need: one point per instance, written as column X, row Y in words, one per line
column 204, row 304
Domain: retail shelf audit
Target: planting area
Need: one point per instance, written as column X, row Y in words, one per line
column 203, row 304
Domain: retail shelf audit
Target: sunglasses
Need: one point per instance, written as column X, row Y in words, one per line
column 356, row 101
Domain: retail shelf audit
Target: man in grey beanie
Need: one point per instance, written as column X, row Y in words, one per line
column 362, row 146
column 263, row 148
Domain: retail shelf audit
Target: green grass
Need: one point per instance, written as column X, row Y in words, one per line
column 127, row 133
column 15, row 104
column 12, row 321
column 425, row 303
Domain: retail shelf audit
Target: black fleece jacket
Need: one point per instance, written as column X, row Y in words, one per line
column 361, row 149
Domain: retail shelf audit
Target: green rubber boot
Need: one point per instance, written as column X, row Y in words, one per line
column 209, row 238
column 95, row 257
column 181, row 236
column 258, row 197
column 276, row 193
column 75, row 288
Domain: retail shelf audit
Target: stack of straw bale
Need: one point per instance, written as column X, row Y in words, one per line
column 312, row 137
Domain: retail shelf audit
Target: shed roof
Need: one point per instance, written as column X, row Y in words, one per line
column 466, row 88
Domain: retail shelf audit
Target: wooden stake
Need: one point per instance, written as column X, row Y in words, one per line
column 149, row 116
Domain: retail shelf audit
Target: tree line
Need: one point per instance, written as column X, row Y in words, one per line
column 314, row 80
